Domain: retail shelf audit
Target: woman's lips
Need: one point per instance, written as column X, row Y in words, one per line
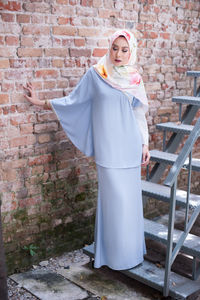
column 117, row 60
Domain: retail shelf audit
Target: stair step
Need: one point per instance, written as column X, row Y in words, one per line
column 193, row 73
column 162, row 193
column 175, row 127
column 158, row 232
column 170, row 158
column 149, row 274
column 187, row 100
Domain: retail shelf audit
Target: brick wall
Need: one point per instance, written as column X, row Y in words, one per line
column 48, row 187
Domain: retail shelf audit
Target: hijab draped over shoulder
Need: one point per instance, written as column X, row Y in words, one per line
column 125, row 78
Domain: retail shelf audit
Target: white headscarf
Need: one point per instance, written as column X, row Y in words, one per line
column 125, row 78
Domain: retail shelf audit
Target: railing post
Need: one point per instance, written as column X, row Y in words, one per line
column 170, row 239
column 188, row 190
column 3, row 276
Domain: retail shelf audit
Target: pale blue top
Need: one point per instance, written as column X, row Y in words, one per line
column 100, row 122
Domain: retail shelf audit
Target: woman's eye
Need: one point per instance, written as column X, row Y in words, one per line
column 124, row 50
column 114, row 48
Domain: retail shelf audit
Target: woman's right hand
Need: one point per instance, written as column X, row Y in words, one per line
column 32, row 98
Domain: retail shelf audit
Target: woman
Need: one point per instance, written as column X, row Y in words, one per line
column 104, row 117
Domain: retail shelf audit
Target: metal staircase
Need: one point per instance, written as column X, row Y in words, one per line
column 163, row 279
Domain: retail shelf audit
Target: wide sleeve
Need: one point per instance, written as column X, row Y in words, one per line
column 74, row 114
column 141, row 120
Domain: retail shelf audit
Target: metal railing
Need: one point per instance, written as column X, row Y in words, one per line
column 171, row 181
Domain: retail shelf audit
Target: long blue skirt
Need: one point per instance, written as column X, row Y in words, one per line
column 119, row 228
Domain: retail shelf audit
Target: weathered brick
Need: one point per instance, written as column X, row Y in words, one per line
column 5, row 52
column 46, row 127
column 37, row 7
column 23, row 141
column 4, row 63
column 57, row 63
column 63, row 20
column 46, row 73
column 7, row 87
column 63, row 30
column 88, row 32
column 23, row 18
column 66, row 10
column 80, row 52
column 99, row 52
column 56, row 52
column 36, row 30
column 4, row 98
column 30, row 52
column 40, row 160
column 12, row 40
column 27, row 41
column 7, row 17
column 44, row 138
column 72, row 72
column 49, row 84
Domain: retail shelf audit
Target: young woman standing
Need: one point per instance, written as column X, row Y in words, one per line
column 104, row 117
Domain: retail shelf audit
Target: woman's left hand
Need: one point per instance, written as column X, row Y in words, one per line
column 145, row 155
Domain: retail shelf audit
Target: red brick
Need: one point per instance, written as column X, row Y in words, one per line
column 99, row 52
column 40, row 160
column 165, row 35
column 4, row 98
column 62, row 1
column 37, row 19
column 8, row 17
column 86, row 3
column 36, row 30
column 10, row 5
column 72, row 2
column 63, row 30
column 153, row 35
column 56, row 52
column 4, row 64
column 46, row 73
column 29, row 52
column 80, row 52
column 12, row 40
column 79, row 42
column 63, row 20
column 23, row 18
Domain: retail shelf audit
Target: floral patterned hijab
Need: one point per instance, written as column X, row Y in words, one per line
column 125, row 78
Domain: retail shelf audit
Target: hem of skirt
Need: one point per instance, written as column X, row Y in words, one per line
column 118, row 166
column 139, row 262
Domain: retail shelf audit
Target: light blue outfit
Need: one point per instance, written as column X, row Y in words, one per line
column 100, row 122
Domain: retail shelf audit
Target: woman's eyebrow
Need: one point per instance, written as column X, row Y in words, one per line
column 118, row 46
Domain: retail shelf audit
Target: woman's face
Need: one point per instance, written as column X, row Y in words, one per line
column 120, row 52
